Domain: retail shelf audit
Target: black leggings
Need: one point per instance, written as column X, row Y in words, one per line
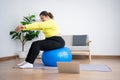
column 47, row 44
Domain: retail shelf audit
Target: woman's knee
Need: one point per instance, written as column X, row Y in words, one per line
column 35, row 43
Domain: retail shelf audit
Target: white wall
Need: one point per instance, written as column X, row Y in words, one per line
column 97, row 18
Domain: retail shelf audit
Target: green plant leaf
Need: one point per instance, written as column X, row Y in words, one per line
column 27, row 19
column 26, row 35
column 12, row 32
column 32, row 16
column 33, row 20
column 23, row 23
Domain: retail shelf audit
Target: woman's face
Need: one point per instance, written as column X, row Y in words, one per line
column 44, row 18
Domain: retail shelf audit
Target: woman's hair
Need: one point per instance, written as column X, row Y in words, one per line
column 45, row 13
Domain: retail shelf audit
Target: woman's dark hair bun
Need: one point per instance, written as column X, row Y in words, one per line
column 45, row 13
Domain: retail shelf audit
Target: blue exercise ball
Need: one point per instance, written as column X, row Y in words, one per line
column 51, row 57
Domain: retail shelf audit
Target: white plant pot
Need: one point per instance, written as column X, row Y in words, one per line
column 22, row 54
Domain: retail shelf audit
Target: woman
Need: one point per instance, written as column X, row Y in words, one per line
column 53, row 39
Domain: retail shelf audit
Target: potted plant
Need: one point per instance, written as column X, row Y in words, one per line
column 25, row 36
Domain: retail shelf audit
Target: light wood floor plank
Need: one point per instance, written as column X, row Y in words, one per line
column 7, row 72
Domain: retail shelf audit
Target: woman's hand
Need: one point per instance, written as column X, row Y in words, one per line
column 19, row 28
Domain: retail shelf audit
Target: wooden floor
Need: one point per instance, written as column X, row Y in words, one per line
column 7, row 72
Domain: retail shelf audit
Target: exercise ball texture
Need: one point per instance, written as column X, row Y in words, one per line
column 51, row 57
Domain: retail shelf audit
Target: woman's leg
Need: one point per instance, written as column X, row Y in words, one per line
column 46, row 44
column 33, row 51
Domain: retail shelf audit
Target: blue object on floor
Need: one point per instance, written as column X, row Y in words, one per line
column 51, row 57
